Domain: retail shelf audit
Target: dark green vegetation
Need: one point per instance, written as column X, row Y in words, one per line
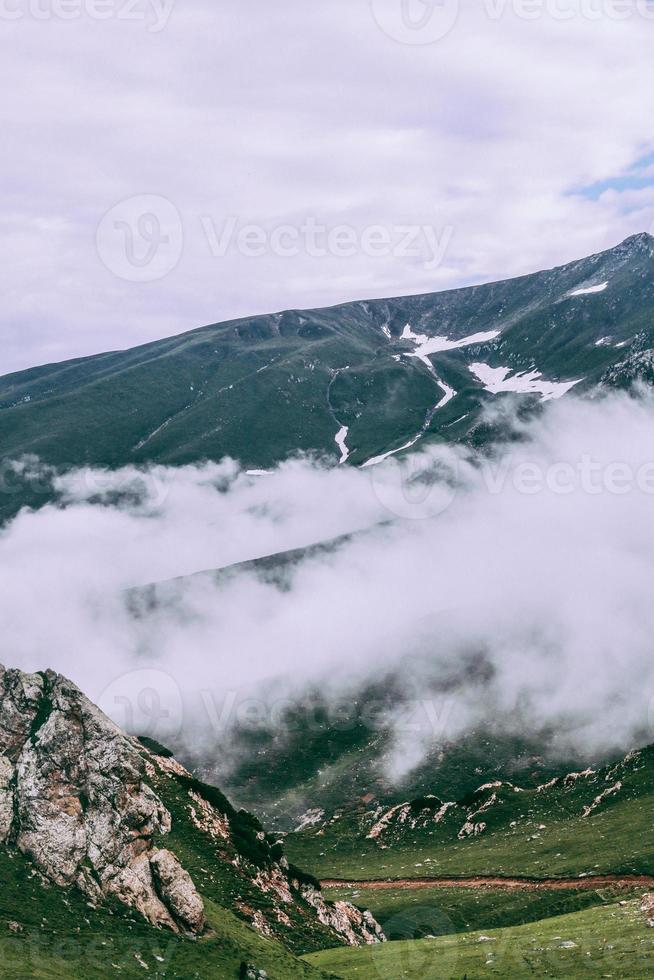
column 611, row 941
column 568, row 829
column 333, row 761
column 409, row 913
column 47, row 933
column 223, row 883
column 262, row 389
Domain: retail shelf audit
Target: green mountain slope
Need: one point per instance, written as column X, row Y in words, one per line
column 612, row 941
column 264, row 388
column 114, row 857
column 580, row 824
column 47, row 934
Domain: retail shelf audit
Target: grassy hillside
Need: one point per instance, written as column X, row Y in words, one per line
column 331, row 762
column 47, row 933
column 531, row 833
column 611, row 941
column 411, row 913
column 257, row 912
column 263, row 388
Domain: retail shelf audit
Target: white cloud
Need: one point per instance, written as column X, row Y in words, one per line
column 525, row 596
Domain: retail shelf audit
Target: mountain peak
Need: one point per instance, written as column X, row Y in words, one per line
column 643, row 239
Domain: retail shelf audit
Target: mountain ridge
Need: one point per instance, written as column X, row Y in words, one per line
column 352, row 383
column 638, row 238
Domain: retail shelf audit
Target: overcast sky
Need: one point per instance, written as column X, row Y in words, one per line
column 457, row 145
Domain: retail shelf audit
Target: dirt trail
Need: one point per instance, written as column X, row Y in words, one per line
column 587, row 883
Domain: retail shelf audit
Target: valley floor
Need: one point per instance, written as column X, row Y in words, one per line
column 590, row 883
column 608, row 941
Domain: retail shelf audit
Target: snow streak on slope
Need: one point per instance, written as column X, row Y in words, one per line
column 424, row 347
column 433, row 345
column 341, row 436
column 449, row 394
column 589, row 290
column 391, row 452
column 497, row 380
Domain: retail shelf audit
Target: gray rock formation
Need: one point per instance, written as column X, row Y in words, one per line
column 74, row 800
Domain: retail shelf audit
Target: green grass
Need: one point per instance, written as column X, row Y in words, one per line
column 59, row 934
column 62, row 937
column 331, row 762
column 611, row 941
column 405, row 913
column 528, row 834
column 218, row 880
column 618, row 840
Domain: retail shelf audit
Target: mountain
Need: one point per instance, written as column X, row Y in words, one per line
column 353, row 382
column 553, row 880
column 578, row 824
column 110, row 849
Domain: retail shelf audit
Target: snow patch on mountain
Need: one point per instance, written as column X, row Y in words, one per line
column 589, row 290
column 341, row 436
column 449, row 394
column 498, row 380
column 433, row 345
column 391, row 452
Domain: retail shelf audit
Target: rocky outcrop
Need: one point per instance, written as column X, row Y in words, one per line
column 177, row 885
column 288, row 891
column 417, row 814
column 6, row 797
column 597, row 802
column 352, row 924
column 77, row 798
column 73, row 798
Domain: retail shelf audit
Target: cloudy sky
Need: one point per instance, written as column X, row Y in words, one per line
column 170, row 163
